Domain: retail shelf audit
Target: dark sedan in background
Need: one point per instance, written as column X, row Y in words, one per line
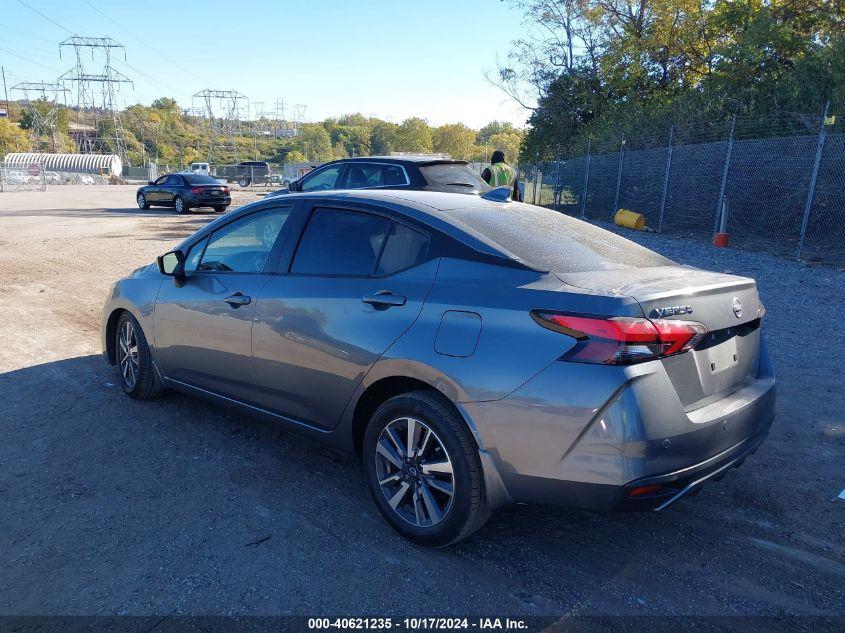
column 391, row 172
column 184, row 192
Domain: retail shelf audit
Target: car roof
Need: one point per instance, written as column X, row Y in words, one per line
column 429, row 207
column 414, row 159
column 538, row 238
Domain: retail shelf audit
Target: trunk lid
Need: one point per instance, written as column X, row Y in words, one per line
column 728, row 356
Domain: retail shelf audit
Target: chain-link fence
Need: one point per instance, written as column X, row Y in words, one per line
column 780, row 182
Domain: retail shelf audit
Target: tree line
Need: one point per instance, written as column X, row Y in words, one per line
column 163, row 132
column 595, row 70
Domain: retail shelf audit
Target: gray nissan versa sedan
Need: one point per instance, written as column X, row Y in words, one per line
column 473, row 352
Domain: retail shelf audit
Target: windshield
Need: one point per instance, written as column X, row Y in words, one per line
column 199, row 179
column 453, row 174
column 551, row 241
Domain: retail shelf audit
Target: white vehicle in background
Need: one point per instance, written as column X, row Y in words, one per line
column 201, row 169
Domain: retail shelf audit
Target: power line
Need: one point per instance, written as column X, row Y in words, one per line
column 35, row 37
column 46, row 17
column 27, row 59
column 142, row 42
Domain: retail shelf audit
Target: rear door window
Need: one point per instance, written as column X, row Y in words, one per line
column 341, row 243
column 405, row 248
column 363, row 175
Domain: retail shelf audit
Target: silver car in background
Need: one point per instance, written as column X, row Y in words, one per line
column 473, row 353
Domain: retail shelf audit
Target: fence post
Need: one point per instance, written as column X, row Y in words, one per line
column 724, row 181
column 811, row 191
column 586, row 181
column 619, row 176
column 666, row 180
column 556, row 191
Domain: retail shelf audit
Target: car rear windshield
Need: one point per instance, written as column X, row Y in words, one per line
column 455, row 174
column 199, row 179
column 551, row 241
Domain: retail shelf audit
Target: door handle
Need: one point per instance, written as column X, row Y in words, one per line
column 237, row 300
column 384, row 299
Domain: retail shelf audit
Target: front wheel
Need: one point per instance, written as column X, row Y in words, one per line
column 220, row 208
column 179, row 205
column 134, row 361
column 243, row 182
column 423, row 470
column 142, row 201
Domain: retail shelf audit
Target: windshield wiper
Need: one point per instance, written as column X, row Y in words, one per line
column 459, row 184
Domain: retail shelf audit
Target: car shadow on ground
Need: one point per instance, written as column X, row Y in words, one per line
column 86, row 466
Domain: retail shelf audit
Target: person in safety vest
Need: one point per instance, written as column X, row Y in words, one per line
column 499, row 173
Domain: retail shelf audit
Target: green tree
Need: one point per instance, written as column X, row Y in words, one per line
column 494, row 127
column 314, row 142
column 12, row 138
column 607, row 67
column 454, row 139
column 509, row 141
column 414, row 135
column 383, row 137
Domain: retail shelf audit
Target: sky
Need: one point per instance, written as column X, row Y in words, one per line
column 390, row 59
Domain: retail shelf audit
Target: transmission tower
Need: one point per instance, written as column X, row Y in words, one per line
column 96, row 95
column 298, row 117
column 225, row 110
column 42, row 102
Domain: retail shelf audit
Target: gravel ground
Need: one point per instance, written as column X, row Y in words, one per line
column 111, row 506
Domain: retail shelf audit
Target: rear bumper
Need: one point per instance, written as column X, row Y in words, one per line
column 210, row 201
column 666, row 489
column 587, row 436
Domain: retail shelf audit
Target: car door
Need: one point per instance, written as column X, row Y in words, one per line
column 154, row 192
column 202, row 326
column 356, row 283
column 172, row 186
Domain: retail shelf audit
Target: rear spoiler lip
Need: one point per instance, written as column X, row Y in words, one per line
column 442, row 161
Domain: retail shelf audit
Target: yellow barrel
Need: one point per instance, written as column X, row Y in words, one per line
column 630, row 219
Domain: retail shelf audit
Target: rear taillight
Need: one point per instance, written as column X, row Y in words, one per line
column 197, row 190
column 226, row 190
column 621, row 340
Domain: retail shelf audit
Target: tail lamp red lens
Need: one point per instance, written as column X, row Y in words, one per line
column 622, row 340
column 197, row 190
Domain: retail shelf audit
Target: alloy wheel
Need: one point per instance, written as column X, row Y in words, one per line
column 179, row 205
column 142, row 201
column 128, row 359
column 415, row 472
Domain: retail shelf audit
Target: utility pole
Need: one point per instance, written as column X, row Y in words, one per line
column 5, row 92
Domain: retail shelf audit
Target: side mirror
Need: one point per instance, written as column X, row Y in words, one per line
column 172, row 264
column 150, row 182
column 294, row 185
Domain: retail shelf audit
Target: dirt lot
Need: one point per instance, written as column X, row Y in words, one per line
column 111, row 506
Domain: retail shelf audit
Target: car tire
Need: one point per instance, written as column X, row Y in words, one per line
column 411, row 490
column 179, row 205
column 243, row 182
column 136, row 373
column 220, row 208
column 141, row 199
